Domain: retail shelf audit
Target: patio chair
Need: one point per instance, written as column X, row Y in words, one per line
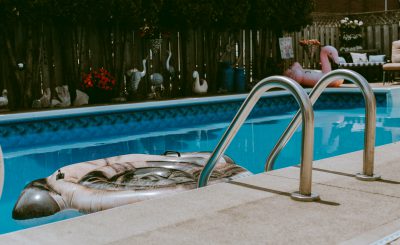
column 394, row 65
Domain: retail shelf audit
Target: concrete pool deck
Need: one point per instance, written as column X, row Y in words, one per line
column 252, row 210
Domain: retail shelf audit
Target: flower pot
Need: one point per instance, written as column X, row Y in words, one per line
column 240, row 79
column 99, row 96
column 226, row 76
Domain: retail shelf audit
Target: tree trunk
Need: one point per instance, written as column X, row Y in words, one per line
column 50, row 58
column 57, row 58
column 15, row 83
column 65, row 35
column 186, row 87
column 27, row 83
column 119, row 58
column 212, row 61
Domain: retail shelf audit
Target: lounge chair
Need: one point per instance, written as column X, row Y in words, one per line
column 394, row 65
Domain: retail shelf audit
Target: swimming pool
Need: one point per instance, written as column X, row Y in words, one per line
column 186, row 128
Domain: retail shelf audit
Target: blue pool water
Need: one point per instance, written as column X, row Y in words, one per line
column 336, row 132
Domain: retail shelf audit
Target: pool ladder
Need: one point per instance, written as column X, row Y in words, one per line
column 306, row 110
column 370, row 125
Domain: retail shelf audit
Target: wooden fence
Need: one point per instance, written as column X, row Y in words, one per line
column 380, row 29
column 54, row 55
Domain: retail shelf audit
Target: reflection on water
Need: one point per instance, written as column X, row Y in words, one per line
column 335, row 133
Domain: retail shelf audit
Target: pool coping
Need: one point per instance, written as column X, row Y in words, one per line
column 150, row 105
column 26, row 236
column 249, row 210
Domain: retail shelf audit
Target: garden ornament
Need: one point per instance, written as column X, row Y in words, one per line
column 62, row 99
column 200, row 86
column 44, row 101
column 308, row 77
column 4, row 98
column 156, row 81
column 20, row 66
column 81, row 98
column 136, row 76
column 170, row 69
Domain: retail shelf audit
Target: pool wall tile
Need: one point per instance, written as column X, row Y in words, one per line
column 45, row 130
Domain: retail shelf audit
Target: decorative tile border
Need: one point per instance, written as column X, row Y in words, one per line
column 44, row 129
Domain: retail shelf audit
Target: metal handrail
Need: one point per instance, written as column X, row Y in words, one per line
column 307, row 146
column 370, row 114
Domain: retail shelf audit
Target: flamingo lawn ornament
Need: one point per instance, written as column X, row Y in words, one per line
column 111, row 182
column 200, row 86
column 308, row 77
column 136, row 76
column 4, row 98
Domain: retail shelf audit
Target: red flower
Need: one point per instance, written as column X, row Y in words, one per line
column 98, row 79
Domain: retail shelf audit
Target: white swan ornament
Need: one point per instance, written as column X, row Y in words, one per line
column 4, row 99
column 200, row 86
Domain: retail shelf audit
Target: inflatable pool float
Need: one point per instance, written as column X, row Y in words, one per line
column 309, row 77
column 110, row 182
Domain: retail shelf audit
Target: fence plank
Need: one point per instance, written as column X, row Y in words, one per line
column 378, row 33
column 246, row 58
column 395, row 32
column 321, row 37
column 386, row 41
column 370, row 37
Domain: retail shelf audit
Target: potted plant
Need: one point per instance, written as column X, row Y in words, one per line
column 99, row 84
column 350, row 34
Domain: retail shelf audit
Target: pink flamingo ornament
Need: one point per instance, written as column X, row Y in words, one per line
column 308, row 77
